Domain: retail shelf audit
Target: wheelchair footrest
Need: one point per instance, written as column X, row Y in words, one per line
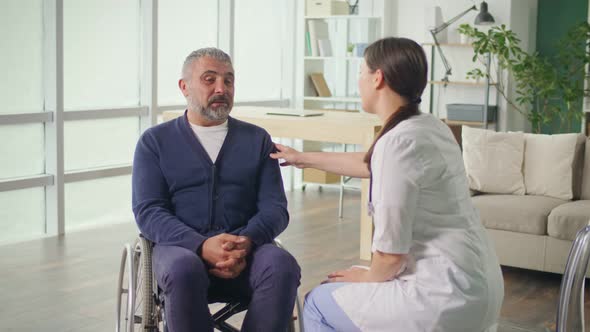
column 229, row 310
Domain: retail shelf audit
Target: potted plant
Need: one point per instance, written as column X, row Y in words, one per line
column 548, row 89
column 349, row 49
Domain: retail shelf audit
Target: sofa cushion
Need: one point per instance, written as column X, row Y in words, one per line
column 586, row 173
column 493, row 161
column 566, row 219
column 523, row 214
column 548, row 164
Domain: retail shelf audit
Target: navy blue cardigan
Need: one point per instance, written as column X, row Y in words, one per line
column 181, row 197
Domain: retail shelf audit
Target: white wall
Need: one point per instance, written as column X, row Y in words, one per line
column 518, row 15
column 408, row 19
column 261, row 49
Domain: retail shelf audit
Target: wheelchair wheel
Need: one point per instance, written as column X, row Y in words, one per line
column 297, row 323
column 136, row 286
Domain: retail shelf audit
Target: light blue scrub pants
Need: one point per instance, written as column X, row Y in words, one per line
column 322, row 313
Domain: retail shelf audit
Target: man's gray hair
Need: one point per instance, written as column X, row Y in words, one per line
column 211, row 52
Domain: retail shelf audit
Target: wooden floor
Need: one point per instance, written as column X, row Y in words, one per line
column 68, row 283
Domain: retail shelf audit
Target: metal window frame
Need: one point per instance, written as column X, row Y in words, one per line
column 40, row 180
column 107, row 113
column 149, row 65
column 54, row 116
column 97, row 173
column 53, row 77
column 225, row 26
column 13, row 119
column 93, row 114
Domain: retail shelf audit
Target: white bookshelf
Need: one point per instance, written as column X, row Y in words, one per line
column 340, row 68
column 458, row 89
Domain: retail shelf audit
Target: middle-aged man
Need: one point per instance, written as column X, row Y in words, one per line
column 206, row 192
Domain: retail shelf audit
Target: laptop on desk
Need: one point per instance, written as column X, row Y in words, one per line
column 290, row 112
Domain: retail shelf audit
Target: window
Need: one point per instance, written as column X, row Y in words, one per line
column 21, row 59
column 99, row 143
column 184, row 26
column 23, row 151
column 101, row 54
column 260, row 51
column 98, row 202
column 22, row 214
column 105, row 52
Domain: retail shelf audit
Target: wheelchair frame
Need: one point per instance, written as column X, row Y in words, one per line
column 146, row 313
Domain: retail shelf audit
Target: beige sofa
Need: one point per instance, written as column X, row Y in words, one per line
column 536, row 232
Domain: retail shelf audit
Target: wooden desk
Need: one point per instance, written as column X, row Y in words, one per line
column 335, row 127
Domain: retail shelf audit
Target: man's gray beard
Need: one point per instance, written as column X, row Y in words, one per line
column 221, row 113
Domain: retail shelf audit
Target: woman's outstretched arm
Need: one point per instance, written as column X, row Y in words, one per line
column 384, row 267
column 341, row 163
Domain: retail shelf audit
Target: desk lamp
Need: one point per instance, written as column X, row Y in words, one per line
column 483, row 18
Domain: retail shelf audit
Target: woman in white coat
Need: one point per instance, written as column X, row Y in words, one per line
column 433, row 268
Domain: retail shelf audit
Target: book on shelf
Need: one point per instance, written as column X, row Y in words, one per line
column 324, row 47
column 308, row 44
column 318, row 30
column 320, row 85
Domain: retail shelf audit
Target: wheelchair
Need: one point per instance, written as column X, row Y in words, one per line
column 140, row 303
column 570, row 308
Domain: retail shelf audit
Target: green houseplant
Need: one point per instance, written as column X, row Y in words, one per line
column 548, row 89
column 349, row 49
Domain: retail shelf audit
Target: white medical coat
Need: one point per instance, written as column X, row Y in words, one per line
column 422, row 208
